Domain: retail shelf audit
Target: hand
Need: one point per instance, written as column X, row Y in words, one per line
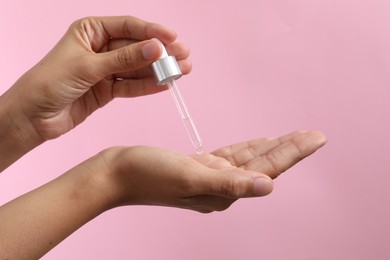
column 97, row 60
column 208, row 182
column 34, row 223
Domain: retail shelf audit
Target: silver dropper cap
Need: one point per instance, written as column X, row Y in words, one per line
column 166, row 68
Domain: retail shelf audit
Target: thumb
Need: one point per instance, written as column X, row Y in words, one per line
column 130, row 58
column 238, row 183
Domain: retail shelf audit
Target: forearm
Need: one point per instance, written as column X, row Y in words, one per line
column 17, row 135
column 34, row 223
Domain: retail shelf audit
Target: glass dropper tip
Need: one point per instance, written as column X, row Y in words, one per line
column 199, row 150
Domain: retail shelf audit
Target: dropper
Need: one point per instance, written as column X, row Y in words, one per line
column 166, row 71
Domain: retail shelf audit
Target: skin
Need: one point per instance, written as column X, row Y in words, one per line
column 97, row 60
column 64, row 88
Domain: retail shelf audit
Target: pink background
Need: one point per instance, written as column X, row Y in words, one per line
column 261, row 68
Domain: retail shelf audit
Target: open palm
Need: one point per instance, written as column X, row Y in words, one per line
column 207, row 182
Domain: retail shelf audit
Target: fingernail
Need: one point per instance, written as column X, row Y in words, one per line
column 151, row 50
column 262, row 186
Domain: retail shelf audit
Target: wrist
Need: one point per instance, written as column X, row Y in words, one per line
column 119, row 177
column 17, row 135
column 104, row 178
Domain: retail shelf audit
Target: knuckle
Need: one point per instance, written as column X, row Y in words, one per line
column 126, row 57
column 82, row 22
column 273, row 160
column 126, row 28
column 232, row 188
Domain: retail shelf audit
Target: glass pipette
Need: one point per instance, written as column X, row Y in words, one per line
column 186, row 117
column 166, row 71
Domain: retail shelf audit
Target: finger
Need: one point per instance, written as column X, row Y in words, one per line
column 135, row 88
column 241, row 153
column 119, row 27
column 130, row 58
column 185, row 68
column 113, row 44
column 235, row 184
column 287, row 154
column 179, row 50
